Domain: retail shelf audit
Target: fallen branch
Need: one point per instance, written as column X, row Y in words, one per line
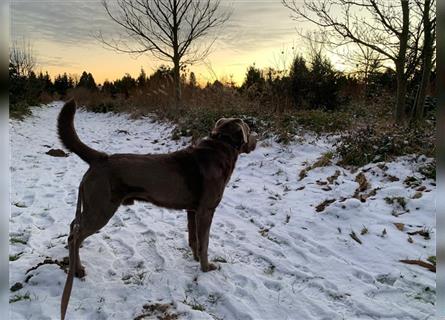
column 421, row 263
column 62, row 264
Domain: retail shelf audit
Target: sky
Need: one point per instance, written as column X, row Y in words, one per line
column 62, row 34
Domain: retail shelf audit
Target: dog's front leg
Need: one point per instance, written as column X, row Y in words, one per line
column 203, row 223
column 191, row 226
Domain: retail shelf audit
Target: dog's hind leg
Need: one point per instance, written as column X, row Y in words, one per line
column 94, row 210
column 94, row 217
column 74, row 245
column 74, row 240
column 191, row 226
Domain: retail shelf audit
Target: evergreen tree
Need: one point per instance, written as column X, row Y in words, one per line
column 125, row 85
column 299, row 76
column 142, row 79
column 192, row 79
column 253, row 76
column 109, row 88
column 61, row 84
column 324, row 84
column 87, row 81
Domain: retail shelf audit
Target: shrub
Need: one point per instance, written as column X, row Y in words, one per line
column 19, row 110
column 374, row 144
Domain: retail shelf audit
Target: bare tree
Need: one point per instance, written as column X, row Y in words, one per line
column 382, row 26
column 21, row 57
column 365, row 62
column 168, row 29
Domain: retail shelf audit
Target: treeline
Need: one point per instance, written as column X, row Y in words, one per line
column 31, row 88
column 306, row 84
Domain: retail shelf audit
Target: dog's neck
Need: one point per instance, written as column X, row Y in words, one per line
column 225, row 139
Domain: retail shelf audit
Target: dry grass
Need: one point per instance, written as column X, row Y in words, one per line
column 368, row 134
column 201, row 107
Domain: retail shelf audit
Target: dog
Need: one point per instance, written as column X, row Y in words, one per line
column 191, row 179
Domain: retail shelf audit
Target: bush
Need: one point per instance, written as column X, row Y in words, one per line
column 375, row 144
column 19, row 110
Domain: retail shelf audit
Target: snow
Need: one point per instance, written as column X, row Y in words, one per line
column 279, row 257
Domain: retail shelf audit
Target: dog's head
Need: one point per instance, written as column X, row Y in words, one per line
column 236, row 132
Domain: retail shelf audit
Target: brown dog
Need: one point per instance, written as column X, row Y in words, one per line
column 193, row 179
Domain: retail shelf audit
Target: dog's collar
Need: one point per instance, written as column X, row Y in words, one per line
column 225, row 139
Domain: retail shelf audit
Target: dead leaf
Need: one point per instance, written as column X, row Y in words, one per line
column 354, row 236
column 362, row 182
column 324, row 204
column 417, row 195
column 56, row 153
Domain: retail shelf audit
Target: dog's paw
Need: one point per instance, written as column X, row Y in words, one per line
column 210, row 267
column 80, row 273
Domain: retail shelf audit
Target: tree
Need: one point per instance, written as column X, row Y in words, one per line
column 62, row 84
column 21, row 58
column 254, row 76
column 383, row 26
column 46, row 82
column 299, row 75
column 24, row 86
column 169, row 30
column 142, row 79
column 192, row 80
column 323, row 82
column 125, row 85
column 86, row 81
column 429, row 24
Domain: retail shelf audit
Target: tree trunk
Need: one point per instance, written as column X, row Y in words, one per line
column 426, row 63
column 400, row 65
column 401, row 94
column 176, row 57
column 177, row 82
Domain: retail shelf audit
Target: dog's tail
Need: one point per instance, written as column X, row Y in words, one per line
column 69, row 138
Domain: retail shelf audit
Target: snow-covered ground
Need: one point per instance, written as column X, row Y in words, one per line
column 279, row 257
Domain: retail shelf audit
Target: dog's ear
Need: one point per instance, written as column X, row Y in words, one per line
column 251, row 144
column 249, row 138
column 246, row 131
column 221, row 122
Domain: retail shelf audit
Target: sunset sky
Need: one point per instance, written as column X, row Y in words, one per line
column 62, row 35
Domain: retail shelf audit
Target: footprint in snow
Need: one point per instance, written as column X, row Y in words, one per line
column 120, row 249
column 148, row 250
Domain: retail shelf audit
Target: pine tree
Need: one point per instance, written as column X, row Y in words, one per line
column 142, row 79
column 192, row 79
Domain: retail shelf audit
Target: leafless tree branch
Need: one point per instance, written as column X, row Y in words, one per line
column 171, row 30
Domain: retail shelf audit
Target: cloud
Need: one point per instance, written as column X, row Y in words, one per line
column 256, row 25
column 252, row 25
column 72, row 22
column 55, row 61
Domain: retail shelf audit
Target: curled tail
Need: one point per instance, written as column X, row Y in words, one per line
column 69, row 138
